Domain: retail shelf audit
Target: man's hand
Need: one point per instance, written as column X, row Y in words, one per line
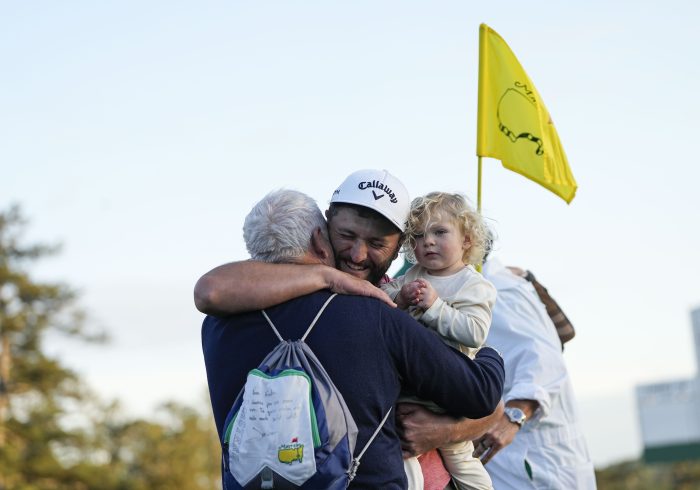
column 499, row 436
column 408, row 296
column 422, row 430
column 503, row 431
column 343, row 283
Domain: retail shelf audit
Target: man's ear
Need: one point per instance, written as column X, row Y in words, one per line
column 402, row 239
column 396, row 253
column 321, row 247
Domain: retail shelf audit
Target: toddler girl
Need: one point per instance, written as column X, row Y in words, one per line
column 446, row 237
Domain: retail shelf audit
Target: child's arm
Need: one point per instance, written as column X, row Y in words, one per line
column 466, row 317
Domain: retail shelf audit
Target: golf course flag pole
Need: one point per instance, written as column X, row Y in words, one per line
column 513, row 125
column 478, row 189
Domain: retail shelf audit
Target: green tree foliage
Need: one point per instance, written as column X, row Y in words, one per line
column 181, row 451
column 34, row 387
column 54, row 432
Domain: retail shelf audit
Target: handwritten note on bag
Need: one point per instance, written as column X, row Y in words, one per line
column 274, row 425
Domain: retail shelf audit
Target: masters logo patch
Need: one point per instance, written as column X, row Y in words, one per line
column 288, row 453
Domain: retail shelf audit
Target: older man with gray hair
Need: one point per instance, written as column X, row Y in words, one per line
column 367, row 347
column 286, row 227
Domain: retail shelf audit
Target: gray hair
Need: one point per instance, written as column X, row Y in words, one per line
column 280, row 226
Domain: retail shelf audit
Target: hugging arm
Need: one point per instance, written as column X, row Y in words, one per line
column 463, row 387
column 422, row 430
column 250, row 285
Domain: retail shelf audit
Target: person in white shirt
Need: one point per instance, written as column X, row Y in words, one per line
column 446, row 237
column 538, row 442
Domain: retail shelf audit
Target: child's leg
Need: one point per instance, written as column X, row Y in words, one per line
column 414, row 473
column 467, row 471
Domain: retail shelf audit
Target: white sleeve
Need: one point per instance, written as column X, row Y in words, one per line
column 466, row 317
column 526, row 337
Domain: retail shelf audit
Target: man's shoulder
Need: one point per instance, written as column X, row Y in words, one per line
column 351, row 306
column 214, row 325
column 320, row 297
column 348, row 308
column 364, row 308
column 367, row 304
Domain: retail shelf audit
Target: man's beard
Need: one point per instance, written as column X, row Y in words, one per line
column 375, row 272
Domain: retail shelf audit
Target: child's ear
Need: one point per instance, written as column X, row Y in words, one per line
column 467, row 243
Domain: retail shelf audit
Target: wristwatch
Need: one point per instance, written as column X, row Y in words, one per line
column 515, row 415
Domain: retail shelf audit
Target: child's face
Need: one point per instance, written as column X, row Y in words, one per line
column 441, row 248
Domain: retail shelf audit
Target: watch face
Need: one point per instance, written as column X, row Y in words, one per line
column 515, row 415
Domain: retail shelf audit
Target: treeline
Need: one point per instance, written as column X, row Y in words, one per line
column 54, row 432
column 636, row 475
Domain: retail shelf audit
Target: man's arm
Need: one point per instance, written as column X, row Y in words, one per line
column 422, row 430
column 503, row 431
column 463, row 387
column 250, row 285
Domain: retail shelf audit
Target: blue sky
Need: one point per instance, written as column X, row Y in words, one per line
column 140, row 134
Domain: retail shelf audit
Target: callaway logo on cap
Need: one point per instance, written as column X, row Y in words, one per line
column 377, row 190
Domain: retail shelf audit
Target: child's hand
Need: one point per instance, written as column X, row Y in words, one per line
column 416, row 293
column 408, row 296
column 426, row 294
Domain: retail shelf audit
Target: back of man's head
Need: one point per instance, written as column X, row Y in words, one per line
column 280, row 226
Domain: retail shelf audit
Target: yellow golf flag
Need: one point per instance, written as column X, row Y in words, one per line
column 513, row 124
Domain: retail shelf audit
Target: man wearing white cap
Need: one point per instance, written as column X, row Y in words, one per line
column 366, row 219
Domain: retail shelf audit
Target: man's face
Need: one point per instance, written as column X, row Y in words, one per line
column 363, row 246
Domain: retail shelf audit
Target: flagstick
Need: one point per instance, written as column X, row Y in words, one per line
column 478, row 200
column 478, row 189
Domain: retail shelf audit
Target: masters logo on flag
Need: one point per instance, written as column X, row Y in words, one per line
column 513, row 124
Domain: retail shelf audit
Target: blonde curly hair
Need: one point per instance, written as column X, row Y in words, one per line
column 456, row 207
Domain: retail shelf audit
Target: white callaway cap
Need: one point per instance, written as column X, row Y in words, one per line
column 377, row 190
